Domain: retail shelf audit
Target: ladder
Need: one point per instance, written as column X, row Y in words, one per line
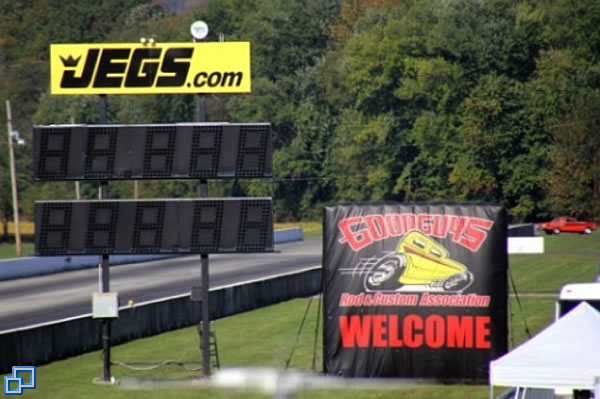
column 212, row 344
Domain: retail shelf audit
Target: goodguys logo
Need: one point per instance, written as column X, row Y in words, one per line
column 361, row 231
column 131, row 68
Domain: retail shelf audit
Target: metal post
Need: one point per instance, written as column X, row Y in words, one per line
column 200, row 103
column 77, row 190
column 203, row 193
column 105, row 287
column 13, row 180
column 205, row 317
column 105, row 268
column 200, row 108
column 103, row 108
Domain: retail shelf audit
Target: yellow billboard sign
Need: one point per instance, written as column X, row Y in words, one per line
column 136, row 68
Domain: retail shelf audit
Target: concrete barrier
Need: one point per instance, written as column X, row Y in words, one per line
column 11, row 269
column 44, row 343
column 288, row 235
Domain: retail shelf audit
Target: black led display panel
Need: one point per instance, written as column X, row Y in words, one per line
column 161, row 151
column 173, row 226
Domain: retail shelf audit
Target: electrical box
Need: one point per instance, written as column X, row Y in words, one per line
column 105, row 305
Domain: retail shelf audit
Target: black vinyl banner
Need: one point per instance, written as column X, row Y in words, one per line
column 414, row 290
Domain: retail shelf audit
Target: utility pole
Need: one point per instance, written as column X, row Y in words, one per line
column 199, row 31
column 13, row 180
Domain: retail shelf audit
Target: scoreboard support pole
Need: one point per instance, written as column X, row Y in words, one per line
column 105, row 321
column 203, row 193
column 105, row 266
column 205, row 317
column 105, row 287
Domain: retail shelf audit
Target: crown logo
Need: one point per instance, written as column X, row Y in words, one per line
column 70, row 61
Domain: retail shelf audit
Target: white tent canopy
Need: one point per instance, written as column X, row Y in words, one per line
column 564, row 356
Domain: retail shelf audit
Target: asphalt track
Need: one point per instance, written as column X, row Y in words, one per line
column 42, row 299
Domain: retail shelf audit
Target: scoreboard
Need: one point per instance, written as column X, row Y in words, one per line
column 160, row 151
column 174, row 226
column 154, row 151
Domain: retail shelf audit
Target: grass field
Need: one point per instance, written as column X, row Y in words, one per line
column 10, row 250
column 567, row 257
column 265, row 337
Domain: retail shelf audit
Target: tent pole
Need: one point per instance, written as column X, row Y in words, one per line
column 491, row 391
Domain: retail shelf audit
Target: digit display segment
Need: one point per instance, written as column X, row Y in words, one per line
column 161, row 151
column 174, row 226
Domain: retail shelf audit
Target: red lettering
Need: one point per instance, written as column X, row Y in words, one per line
column 457, row 226
column 473, row 236
column 393, row 223
column 460, row 331
column 356, row 239
column 409, row 221
column 351, row 300
column 394, row 338
column 434, row 331
column 440, row 226
column 411, row 323
column 482, row 332
column 376, row 227
column 424, row 222
column 345, row 300
column 360, row 232
column 379, row 331
column 356, row 331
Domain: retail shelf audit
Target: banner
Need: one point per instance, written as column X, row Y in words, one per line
column 414, row 290
column 136, row 68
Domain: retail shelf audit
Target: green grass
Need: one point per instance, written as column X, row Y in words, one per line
column 568, row 258
column 265, row 337
column 10, row 250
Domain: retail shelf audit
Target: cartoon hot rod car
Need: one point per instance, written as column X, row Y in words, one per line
column 418, row 264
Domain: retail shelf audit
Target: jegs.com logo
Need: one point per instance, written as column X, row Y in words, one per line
column 23, row 377
column 134, row 68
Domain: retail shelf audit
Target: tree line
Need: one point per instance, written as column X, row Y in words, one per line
column 459, row 100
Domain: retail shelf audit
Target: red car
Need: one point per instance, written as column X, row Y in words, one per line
column 567, row 224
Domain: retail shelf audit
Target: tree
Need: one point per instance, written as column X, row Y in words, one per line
column 574, row 179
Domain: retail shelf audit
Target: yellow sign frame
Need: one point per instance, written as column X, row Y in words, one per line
column 157, row 68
